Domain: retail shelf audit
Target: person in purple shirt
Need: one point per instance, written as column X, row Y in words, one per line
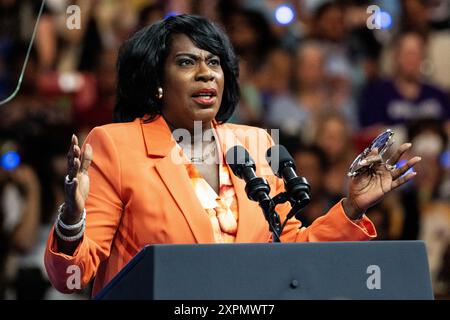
column 405, row 97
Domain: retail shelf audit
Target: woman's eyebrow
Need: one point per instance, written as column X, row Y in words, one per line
column 194, row 56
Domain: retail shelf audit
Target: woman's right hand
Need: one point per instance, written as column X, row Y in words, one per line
column 77, row 186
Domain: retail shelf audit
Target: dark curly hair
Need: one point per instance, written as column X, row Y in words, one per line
column 140, row 66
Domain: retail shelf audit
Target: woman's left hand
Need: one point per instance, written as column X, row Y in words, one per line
column 379, row 178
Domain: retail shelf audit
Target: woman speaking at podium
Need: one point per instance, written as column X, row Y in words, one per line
column 135, row 182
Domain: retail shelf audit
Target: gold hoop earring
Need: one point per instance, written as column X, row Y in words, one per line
column 160, row 93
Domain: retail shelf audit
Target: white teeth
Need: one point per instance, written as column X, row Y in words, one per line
column 205, row 95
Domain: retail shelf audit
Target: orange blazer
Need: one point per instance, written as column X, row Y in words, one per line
column 140, row 194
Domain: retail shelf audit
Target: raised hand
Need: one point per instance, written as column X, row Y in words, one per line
column 76, row 185
column 378, row 179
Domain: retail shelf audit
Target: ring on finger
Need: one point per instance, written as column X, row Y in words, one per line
column 68, row 180
column 390, row 167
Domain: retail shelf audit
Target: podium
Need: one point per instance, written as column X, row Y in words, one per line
column 275, row 271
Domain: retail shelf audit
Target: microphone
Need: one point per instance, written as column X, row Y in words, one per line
column 243, row 166
column 283, row 166
column 256, row 188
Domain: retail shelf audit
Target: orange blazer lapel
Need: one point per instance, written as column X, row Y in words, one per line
column 160, row 143
column 249, row 224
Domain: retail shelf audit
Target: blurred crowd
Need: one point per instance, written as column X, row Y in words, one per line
column 331, row 75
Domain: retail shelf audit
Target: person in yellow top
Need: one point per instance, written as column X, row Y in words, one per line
column 129, row 187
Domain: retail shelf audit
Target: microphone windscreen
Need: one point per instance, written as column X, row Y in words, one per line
column 237, row 158
column 276, row 156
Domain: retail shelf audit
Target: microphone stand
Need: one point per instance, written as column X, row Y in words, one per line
column 254, row 186
column 258, row 190
column 268, row 207
column 296, row 206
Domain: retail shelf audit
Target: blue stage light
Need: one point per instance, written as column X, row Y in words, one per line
column 445, row 159
column 10, row 160
column 284, row 14
column 384, row 20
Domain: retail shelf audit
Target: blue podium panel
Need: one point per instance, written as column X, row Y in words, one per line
column 321, row 270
